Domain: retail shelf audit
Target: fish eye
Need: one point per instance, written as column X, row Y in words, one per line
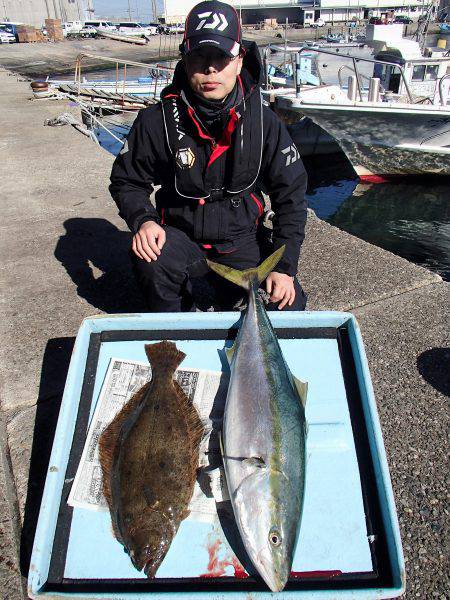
column 275, row 537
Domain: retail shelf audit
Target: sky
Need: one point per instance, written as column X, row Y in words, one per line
column 141, row 10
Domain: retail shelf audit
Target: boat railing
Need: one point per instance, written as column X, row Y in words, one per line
column 159, row 72
column 342, row 68
column 441, row 89
column 355, row 60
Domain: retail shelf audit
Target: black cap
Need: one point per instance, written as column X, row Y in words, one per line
column 212, row 23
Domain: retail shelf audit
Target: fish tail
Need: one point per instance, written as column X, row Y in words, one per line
column 164, row 355
column 250, row 278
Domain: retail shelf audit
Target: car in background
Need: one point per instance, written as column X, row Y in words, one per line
column 136, row 29
column 107, row 25
column 71, row 27
column 318, row 23
column 153, row 27
column 176, row 28
column 160, row 28
column 403, row 19
column 11, row 27
column 6, row 37
column 376, row 21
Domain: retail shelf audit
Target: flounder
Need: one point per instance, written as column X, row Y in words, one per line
column 149, row 458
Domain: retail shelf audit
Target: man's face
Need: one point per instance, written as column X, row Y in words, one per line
column 211, row 73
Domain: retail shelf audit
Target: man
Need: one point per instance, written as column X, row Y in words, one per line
column 213, row 145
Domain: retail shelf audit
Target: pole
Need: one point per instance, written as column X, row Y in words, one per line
column 129, row 10
column 285, row 41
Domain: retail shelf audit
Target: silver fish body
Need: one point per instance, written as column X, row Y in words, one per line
column 264, row 447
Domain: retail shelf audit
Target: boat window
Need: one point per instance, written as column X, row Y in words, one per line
column 431, row 72
column 418, row 73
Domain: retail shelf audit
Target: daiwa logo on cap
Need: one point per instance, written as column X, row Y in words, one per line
column 218, row 22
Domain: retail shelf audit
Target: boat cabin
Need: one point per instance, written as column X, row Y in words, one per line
column 423, row 70
column 422, row 73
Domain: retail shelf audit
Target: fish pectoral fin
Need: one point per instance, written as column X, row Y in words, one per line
column 230, row 353
column 302, row 389
column 255, row 461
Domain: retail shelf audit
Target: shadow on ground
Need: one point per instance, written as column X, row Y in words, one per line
column 53, row 377
column 434, row 366
column 95, row 255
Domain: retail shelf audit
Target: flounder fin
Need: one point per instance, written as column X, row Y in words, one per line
column 250, row 277
column 302, row 389
column 108, row 445
column 195, row 427
column 164, row 355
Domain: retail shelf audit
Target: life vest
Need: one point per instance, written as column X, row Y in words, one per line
column 194, row 182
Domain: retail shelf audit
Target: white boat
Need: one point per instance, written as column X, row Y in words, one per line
column 122, row 37
column 399, row 125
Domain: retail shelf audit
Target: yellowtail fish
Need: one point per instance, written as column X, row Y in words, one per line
column 263, row 436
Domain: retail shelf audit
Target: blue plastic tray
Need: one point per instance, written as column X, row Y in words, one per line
column 349, row 544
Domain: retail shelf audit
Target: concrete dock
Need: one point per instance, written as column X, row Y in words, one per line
column 64, row 256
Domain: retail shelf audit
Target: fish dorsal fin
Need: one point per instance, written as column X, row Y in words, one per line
column 302, row 389
column 195, row 425
column 250, row 277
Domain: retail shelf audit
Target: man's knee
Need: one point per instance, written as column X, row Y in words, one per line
column 174, row 258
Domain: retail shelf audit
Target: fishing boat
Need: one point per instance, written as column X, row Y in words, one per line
column 392, row 123
column 121, row 37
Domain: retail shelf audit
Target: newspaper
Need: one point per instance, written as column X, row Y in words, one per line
column 205, row 389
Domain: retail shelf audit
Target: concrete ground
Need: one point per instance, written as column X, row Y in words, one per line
column 63, row 257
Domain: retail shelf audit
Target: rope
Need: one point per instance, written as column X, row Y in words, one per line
column 69, row 119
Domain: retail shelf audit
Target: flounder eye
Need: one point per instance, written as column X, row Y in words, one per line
column 275, row 537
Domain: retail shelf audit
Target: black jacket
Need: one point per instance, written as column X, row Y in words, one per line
column 212, row 188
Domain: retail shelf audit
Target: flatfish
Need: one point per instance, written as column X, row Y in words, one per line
column 149, row 459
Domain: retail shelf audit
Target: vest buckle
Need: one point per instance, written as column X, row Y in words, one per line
column 235, row 202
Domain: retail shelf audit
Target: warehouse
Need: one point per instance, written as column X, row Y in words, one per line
column 303, row 12
column 34, row 12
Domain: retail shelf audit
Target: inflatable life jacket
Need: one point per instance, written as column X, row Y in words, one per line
column 243, row 133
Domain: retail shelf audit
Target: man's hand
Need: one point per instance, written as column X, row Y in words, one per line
column 281, row 289
column 148, row 241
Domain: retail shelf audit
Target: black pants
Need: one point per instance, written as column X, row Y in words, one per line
column 180, row 279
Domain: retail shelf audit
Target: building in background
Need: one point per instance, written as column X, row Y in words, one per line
column 303, row 11
column 34, row 12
